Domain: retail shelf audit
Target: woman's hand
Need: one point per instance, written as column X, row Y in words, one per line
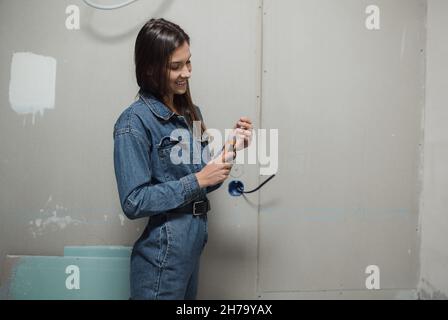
column 243, row 133
column 216, row 171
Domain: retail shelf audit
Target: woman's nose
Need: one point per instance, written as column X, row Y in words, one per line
column 186, row 72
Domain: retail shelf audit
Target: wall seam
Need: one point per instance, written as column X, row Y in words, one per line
column 260, row 107
column 421, row 169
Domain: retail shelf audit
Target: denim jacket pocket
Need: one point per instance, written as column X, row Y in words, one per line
column 174, row 157
column 167, row 142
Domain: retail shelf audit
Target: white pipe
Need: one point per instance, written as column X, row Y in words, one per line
column 110, row 7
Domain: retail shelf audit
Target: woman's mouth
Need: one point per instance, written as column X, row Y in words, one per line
column 181, row 83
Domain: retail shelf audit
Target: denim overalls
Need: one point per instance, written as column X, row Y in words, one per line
column 165, row 259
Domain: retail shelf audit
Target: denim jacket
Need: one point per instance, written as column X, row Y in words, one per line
column 148, row 182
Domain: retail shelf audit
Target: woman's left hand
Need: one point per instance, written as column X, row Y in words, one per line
column 243, row 132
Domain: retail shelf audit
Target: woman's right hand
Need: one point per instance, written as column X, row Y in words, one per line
column 216, row 171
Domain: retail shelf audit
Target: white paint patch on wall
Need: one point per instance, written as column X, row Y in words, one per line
column 121, row 219
column 53, row 219
column 32, row 83
column 53, row 223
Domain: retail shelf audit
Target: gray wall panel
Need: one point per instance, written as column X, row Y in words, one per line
column 348, row 104
column 61, row 165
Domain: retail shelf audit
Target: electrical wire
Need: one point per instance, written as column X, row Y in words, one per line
column 242, row 189
column 109, row 7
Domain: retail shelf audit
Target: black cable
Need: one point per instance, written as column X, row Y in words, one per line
column 242, row 190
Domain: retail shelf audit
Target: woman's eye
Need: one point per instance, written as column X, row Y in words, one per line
column 177, row 66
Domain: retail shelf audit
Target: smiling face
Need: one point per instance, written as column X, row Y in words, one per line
column 179, row 70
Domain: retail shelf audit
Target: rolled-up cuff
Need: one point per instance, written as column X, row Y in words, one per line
column 192, row 190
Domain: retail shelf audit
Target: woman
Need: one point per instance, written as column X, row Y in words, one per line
column 165, row 259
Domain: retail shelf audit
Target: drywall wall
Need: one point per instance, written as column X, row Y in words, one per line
column 61, row 91
column 434, row 219
column 347, row 102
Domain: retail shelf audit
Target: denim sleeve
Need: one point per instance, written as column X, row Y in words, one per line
column 138, row 197
column 216, row 186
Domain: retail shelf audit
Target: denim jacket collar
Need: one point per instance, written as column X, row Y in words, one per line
column 157, row 107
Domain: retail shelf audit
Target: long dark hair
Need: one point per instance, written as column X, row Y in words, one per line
column 154, row 45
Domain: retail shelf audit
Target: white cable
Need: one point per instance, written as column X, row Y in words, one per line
column 110, row 7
